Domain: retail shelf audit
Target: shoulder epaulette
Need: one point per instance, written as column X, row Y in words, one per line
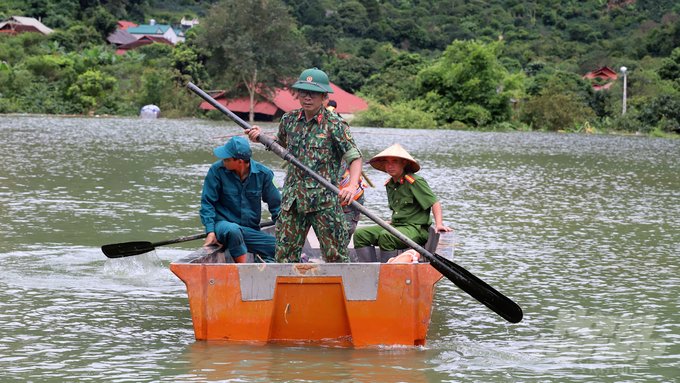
column 409, row 178
column 388, row 181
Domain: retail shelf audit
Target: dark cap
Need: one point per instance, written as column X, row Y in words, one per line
column 237, row 148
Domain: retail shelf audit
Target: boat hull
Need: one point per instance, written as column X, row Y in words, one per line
column 352, row 304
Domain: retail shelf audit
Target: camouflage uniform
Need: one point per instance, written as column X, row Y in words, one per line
column 351, row 213
column 410, row 199
column 320, row 144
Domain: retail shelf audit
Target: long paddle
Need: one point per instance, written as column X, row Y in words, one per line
column 128, row 249
column 464, row 279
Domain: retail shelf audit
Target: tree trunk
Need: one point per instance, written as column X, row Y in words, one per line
column 251, row 89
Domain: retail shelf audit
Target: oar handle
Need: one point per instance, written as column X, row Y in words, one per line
column 180, row 239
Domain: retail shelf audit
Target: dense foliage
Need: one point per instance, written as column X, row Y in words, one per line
column 422, row 63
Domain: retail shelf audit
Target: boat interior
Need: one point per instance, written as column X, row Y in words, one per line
column 442, row 243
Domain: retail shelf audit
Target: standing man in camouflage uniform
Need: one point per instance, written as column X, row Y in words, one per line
column 320, row 140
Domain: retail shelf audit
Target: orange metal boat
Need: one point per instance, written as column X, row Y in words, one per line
column 352, row 304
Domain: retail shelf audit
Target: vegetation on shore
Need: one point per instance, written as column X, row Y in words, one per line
column 473, row 64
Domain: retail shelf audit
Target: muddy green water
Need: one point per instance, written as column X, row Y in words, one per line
column 582, row 231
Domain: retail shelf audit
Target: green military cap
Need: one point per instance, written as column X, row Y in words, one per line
column 315, row 80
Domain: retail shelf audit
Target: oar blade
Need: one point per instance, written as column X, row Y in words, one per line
column 478, row 289
column 127, row 249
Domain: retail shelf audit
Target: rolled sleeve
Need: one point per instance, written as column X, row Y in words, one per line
column 351, row 155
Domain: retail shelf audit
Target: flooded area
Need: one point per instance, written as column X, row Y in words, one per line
column 581, row 230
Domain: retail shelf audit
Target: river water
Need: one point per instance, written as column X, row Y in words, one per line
column 580, row 230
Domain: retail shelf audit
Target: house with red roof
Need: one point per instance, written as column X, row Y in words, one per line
column 271, row 108
column 606, row 74
column 125, row 24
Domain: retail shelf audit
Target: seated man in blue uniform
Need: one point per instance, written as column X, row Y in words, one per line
column 230, row 204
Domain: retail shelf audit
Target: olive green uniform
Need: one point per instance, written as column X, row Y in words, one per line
column 320, row 144
column 410, row 199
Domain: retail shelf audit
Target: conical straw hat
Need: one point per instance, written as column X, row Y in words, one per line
column 395, row 150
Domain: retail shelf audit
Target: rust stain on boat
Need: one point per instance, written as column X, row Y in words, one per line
column 303, row 268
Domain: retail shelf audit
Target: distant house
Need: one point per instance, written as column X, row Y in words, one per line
column 606, row 74
column 165, row 31
column 144, row 40
column 121, row 37
column 19, row 24
column 284, row 101
column 186, row 24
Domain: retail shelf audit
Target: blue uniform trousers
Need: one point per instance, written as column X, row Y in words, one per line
column 241, row 239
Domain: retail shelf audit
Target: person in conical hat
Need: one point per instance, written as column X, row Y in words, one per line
column 320, row 140
column 395, row 150
column 411, row 201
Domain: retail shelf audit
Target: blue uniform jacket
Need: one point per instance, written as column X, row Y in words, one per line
column 225, row 198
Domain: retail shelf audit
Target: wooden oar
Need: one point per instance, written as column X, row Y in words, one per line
column 285, row 163
column 128, row 249
column 465, row 280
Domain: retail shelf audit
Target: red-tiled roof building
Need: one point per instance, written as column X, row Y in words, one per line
column 125, row 24
column 284, row 101
column 605, row 73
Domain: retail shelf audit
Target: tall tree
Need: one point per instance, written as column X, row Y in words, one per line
column 468, row 84
column 254, row 42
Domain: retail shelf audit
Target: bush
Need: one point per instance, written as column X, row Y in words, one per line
column 405, row 115
column 661, row 110
column 43, row 98
column 468, row 84
column 90, row 89
column 351, row 73
column 554, row 110
column 48, row 66
column 6, row 106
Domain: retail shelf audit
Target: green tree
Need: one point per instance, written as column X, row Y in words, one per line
column 13, row 78
column 351, row 73
column 354, row 18
column 102, row 21
column 185, row 60
column 325, row 36
column 670, row 66
column 396, row 80
column 49, row 66
column 468, row 84
column 372, row 10
column 90, row 89
column 307, row 12
column 262, row 54
column 555, row 109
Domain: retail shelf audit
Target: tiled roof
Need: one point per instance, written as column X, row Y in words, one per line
column 125, row 24
column 14, row 21
column 121, row 37
column 283, row 99
column 149, row 29
column 146, row 40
